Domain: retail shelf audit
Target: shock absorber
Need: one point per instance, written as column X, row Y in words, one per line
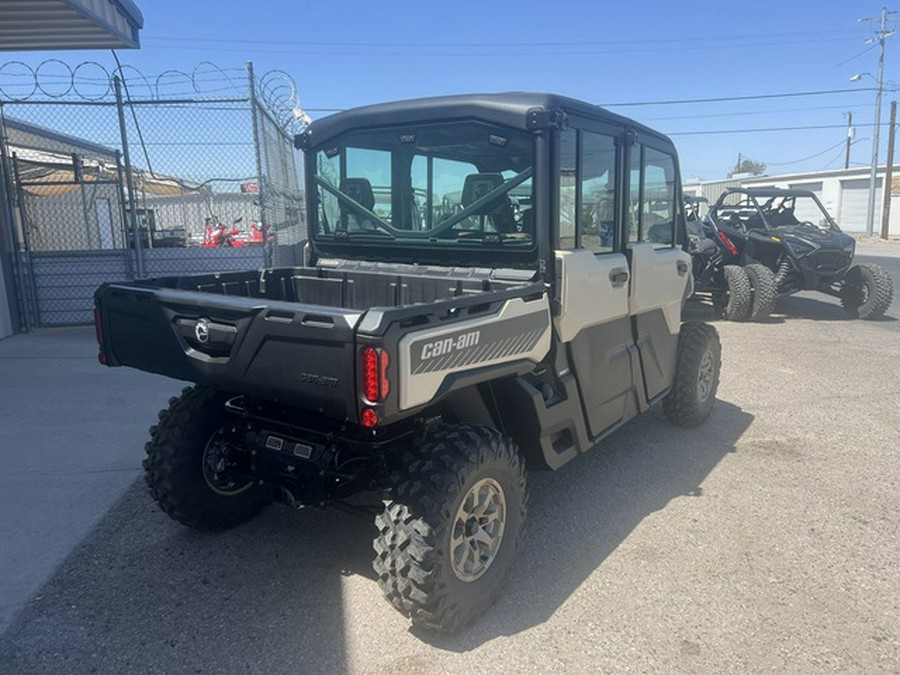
column 784, row 268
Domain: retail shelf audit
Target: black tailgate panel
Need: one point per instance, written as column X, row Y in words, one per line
column 301, row 355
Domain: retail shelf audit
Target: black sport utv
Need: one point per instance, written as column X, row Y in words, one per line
column 737, row 293
column 790, row 233
column 500, row 304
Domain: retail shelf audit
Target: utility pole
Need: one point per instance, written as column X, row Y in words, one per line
column 882, row 34
column 849, row 139
column 889, row 175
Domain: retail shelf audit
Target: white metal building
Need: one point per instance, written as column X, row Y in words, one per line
column 57, row 24
column 844, row 192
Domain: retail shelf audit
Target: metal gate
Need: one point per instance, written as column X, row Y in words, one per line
column 104, row 183
column 69, row 223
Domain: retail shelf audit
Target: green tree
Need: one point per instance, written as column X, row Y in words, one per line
column 748, row 166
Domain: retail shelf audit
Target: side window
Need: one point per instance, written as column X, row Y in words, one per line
column 634, row 193
column 587, row 191
column 597, row 208
column 329, row 169
column 568, row 163
column 658, row 199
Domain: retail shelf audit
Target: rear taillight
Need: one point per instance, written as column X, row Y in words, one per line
column 98, row 329
column 374, row 382
column 371, row 376
column 728, row 244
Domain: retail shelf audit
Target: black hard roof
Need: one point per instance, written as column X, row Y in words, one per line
column 508, row 109
column 772, row 192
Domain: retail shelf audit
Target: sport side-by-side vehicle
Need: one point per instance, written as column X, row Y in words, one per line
column 737, row 293
column 492, row 282
column 791, row 234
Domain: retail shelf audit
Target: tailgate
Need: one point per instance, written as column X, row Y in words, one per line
column 300, row 355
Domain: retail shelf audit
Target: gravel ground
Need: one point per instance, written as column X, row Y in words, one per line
column 768, row 539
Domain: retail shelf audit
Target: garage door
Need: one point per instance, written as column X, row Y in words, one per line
column 855, row 204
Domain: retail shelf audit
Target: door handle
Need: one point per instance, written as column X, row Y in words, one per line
column 618, row 276
column 682, row 268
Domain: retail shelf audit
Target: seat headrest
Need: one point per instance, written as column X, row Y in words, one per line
column 360, row 190
column 477, row 185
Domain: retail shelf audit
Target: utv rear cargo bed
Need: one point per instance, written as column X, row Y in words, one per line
column 288, row 334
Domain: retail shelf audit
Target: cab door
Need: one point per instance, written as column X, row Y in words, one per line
column 660, row 271
column 593, row 319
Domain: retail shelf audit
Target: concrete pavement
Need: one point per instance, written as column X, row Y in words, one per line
column 71, row 441
column 767, row 539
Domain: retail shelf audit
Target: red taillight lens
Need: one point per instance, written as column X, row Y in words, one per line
column 370, row 374
column 375, row 384
column 383, row 382
column 369, row 418
column 98, row 330
column 728, row 244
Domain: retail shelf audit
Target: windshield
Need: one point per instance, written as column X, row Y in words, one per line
column 453, row 184
column 748, row 212
column 802, row 210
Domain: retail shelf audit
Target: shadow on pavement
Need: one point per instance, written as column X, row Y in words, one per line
column 579, row 515
column 143, row 594
column 807, row 307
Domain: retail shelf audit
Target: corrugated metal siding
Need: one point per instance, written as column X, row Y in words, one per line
column 64, row 282
column 72, row 24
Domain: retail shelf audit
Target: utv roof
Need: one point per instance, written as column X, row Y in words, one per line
column 512, row 109
column 771, row 192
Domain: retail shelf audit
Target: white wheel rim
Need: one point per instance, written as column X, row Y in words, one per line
column 477, row 530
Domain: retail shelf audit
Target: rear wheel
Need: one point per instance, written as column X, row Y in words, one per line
column 447, row 540
column 196, row 464
column 734, row 303
column 867, row 292
column 764, row 291
column 693, row 392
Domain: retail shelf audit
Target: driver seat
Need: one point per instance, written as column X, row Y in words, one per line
column 500, row 210
column 359, row 190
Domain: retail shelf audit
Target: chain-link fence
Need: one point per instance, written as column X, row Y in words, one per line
column 182, row 174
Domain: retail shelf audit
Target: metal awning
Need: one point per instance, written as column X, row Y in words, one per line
column 69, row 24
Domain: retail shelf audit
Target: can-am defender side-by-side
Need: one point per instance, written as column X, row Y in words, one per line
column 481, row 296
column 791, row 233
column 737, row 293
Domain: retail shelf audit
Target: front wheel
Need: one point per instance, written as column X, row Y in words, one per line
column 734, row 303
column 693, row 391
column 867, row 292
column 764, row 291
column 447, row 540
column 197, row 467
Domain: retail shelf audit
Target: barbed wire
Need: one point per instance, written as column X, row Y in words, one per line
column 53, row 80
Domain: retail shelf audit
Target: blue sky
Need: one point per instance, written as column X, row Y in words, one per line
column 343, row 54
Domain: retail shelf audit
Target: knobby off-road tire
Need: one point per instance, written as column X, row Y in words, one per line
column 421, row 557
column 735, row 303
column 868, row 291
column 764, row 291
column 174, row 465
column 693, row 392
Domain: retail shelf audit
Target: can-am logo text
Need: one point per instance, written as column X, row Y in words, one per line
column 437, row 348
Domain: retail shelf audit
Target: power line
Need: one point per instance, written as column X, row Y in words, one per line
column 818, row 154
column 754, row 97
column 730, row 39
column 767, row 129
column 745, row 113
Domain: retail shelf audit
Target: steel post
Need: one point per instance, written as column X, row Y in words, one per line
column 129, row 179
